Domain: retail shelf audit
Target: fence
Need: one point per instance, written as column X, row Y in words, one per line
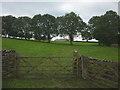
column 46, row 66
column 101, row 71
column 9, row 63
column 98, row 70
column 19, row 66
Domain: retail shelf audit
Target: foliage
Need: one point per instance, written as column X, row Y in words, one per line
column 105, row 27
column 70, row 24
column 49, row 26
column 37, row 26
column 22, row 27
column 86, row 33
column 7, row 22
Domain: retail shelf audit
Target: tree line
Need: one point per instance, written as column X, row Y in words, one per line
column 104, row 28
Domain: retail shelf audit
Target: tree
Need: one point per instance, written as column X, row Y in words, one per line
column 93, row 23
column 37, row 27
column 27, row 27
column 70, row 24
column 86, row 34
column 118, row 40
column 7, row 22
column 105, row 27
column 49, row 26
column 22, row 27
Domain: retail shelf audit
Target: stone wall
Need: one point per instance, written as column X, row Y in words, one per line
column 9, row 64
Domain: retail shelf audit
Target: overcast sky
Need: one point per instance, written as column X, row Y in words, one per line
column 85, row 9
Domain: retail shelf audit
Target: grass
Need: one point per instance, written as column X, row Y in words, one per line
column 47, row 83
column 60, row 48
column 55, row 48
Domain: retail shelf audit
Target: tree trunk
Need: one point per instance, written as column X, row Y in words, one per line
column 71, row 42
column 39, row 40
column 71, row 39
column 8, row 36
column 48, row 38
column 119, row 43
column 99, row 43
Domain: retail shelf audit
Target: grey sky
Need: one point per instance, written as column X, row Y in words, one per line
column 85, row 9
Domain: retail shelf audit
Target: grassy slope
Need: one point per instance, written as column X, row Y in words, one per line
column 29, row 48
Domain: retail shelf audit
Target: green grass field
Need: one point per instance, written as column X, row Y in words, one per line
column 60, row 48
column 55, row 48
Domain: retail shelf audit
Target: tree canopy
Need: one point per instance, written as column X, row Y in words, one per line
column 104, row 28
column 49, row 26
column 36, row 26
column 86, row 33
column 7, row 22
column 70, row 24
column 22, row 27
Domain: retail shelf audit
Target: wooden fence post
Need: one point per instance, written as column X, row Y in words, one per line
column 79, row 67
column 84, row 71
column 75, row 59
